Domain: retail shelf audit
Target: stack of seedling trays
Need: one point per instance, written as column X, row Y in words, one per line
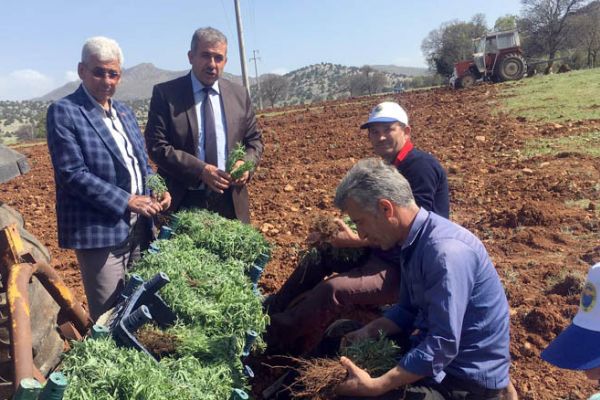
column 209, row 268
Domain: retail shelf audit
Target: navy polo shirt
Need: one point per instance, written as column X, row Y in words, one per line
column 427, row 178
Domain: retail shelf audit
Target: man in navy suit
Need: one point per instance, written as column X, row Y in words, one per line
column 103, row 206
column 189, row 138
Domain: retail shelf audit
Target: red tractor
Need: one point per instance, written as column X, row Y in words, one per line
column 497, row 57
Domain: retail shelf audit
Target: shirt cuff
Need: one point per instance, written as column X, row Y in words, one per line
column 420, row 363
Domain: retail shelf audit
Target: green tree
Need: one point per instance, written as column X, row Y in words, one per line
column 505, row 23
column 452, row 42
column 586, row 28
column 40, row 125
column 274, row 88
column 544, row 25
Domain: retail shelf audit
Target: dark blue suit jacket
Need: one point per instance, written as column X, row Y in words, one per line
column 92, row 181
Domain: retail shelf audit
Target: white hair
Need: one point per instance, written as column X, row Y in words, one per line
column 102, row 48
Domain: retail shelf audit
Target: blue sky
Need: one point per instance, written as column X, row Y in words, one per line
column 40, row 41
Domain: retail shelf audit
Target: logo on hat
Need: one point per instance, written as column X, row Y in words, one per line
column 588, row 297
column 378, row 109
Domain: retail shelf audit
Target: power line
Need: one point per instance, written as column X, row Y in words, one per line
column 254, row 58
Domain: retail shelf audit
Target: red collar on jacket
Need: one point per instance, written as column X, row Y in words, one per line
column 408, row 146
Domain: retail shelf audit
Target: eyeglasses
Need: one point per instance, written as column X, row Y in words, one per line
column 99, row 72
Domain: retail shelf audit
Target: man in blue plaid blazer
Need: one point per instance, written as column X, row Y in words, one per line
column 103, row 206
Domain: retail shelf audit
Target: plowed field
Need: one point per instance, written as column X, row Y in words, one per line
column 538, row 217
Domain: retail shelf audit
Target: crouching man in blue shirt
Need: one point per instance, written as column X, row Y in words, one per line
column 451, row 305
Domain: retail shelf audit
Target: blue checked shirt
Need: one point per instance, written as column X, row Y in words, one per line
column 451, row 292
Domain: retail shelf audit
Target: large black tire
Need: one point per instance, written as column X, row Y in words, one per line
column 466, row 81
column 512, row 67
column 47, row 343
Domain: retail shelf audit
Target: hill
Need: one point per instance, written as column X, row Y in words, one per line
column 407, row 71
column 312, row 83
column 326, row 81
column 136, row 84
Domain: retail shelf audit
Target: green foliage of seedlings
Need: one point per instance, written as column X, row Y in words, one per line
column 237, row 154
column 224, row 237
column 215, row 304
column 348, row 221
column 99, row 370
column 157, row 185
column 239, row 171
column 375, row 355
column 205, row 291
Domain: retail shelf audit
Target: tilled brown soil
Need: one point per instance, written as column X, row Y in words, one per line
column 520, row 208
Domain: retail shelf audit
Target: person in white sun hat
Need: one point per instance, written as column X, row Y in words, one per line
column 578, row 346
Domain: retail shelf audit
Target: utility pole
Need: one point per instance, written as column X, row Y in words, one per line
column 254, row 58
column 238, row 19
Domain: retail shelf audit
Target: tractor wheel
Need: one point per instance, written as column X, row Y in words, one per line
column 466, row 81
column 46, row 341
column 512, row 68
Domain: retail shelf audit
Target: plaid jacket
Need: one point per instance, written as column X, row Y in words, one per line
column 92, row 181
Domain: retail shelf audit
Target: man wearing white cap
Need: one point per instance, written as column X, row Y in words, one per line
column 389, row 133
column 578, row 346
column 372, row 280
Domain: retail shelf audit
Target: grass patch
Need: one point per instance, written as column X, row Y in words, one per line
column 555, row 98
column 585, row 143
column 567, row 283
column 583, row 204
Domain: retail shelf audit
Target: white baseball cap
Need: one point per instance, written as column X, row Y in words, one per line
column 578, row 346
column 388, row 111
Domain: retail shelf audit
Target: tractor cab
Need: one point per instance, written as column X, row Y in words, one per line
column 488, row 50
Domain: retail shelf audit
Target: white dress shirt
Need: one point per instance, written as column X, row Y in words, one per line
column 220, row 125
column 115, row 127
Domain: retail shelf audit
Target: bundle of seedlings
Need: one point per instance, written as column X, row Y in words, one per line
column 224, row 237
column 237, row 154
column 98, row 369
column 205, row 291
column 323, row 228
column 318, row 378
column 157, row 186
column 158, row 342
column 185, row 340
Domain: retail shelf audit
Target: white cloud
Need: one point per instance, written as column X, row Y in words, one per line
column 24, row 84
column 279, row 71
column 71, row 76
